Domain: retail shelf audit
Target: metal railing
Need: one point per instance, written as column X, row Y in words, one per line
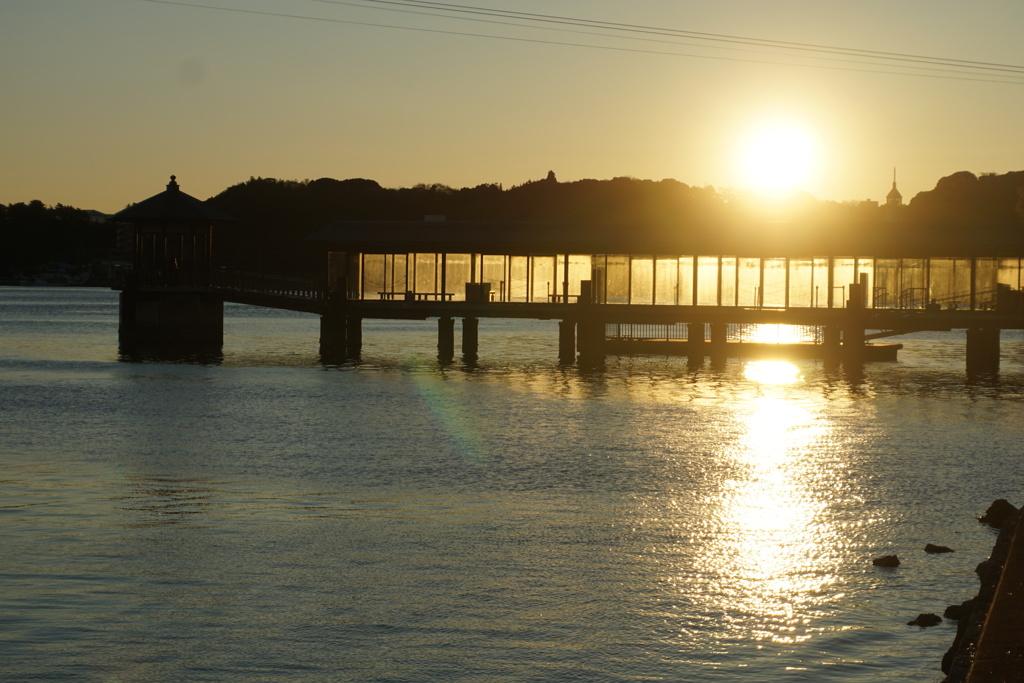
column 763, row 333
column 266, row 285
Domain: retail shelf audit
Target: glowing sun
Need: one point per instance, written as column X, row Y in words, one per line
column 777, row 158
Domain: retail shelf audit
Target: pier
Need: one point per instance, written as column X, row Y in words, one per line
column 598, row 280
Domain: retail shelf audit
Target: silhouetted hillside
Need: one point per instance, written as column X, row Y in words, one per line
column 56, row 243
column 275, row 217
column 966, row 198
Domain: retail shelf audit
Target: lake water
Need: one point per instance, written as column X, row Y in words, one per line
column 268, row 518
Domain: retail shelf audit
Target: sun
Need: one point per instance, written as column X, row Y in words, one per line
column 777, row 158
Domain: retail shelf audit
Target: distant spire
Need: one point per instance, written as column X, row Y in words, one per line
column 173, row 185
column 894, row 198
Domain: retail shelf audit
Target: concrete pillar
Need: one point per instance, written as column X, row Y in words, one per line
column 470, row 338
column 445, row 339
column 591, row 340
column 170, row 318
column 982, row 350
column 853, row 325
column 590, row 332
column 831, row 344
column 567, row 342
column 334, row 329
column 332, row 338
column 353, row 337
column 718, row 349
column 719, row 340
column 695, row 343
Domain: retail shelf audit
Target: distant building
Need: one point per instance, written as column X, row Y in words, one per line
column 894, row 198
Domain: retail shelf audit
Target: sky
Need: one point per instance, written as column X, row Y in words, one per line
column 102, row 100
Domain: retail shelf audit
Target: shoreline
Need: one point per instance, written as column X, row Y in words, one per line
column 988, row 645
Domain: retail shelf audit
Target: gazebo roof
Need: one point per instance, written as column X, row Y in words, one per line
column 172, row 205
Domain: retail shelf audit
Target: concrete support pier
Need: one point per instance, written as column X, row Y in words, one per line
column 719, row 340
column 591, row 340
column 853, row 326
column 982, row 350
column 353, row 337
column 335, row 328
column 470, row 338
column 695, row 341
column 445, row 339
column 170, row 318
column 567, row 342
column 590, row 329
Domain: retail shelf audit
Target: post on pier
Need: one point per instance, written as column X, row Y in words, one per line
column 445, row 339
column 567, row 342
column 590, row 329
column 470, row 338
column 853, row 325
column 982, row 350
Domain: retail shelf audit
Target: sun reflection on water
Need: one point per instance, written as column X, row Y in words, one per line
column 771, row 372
column 771, row 550
column 770, row 558
column 774, row 333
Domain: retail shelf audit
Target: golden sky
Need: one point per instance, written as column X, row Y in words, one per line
column 104, row 99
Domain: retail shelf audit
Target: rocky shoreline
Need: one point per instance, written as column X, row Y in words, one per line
column 971, row 615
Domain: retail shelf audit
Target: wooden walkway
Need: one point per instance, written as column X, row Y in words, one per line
column 307, row 295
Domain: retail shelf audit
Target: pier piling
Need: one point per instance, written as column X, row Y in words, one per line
column 353, row 337
column 982, row 350
column 695, row 340
column 445, row 339
column 470, row 338
column 567, row 342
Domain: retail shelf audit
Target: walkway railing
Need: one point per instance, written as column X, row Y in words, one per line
column 230, row 281
column 735, row 332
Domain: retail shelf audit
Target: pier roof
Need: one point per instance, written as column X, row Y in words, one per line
column 765, row 238
column 172, row 205
column 507, row 237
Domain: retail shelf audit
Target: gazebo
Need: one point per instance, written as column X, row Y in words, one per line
column 165, row 296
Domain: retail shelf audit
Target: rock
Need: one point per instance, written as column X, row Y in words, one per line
column 886, row 561
column 925, row 620
column 935, row 549
column 959, row 612
column 997, row 513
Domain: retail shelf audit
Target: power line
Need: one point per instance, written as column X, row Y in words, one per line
column 932, row 63
column 698, row 35
column 946, row 74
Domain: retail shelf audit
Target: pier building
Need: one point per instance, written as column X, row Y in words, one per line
column 611, row 286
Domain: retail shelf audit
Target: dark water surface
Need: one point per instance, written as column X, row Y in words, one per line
column 266, row 518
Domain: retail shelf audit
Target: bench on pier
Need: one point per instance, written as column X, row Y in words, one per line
column 416, row 296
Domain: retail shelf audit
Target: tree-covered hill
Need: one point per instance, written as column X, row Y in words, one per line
column 275, row 216
column 38, row 239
